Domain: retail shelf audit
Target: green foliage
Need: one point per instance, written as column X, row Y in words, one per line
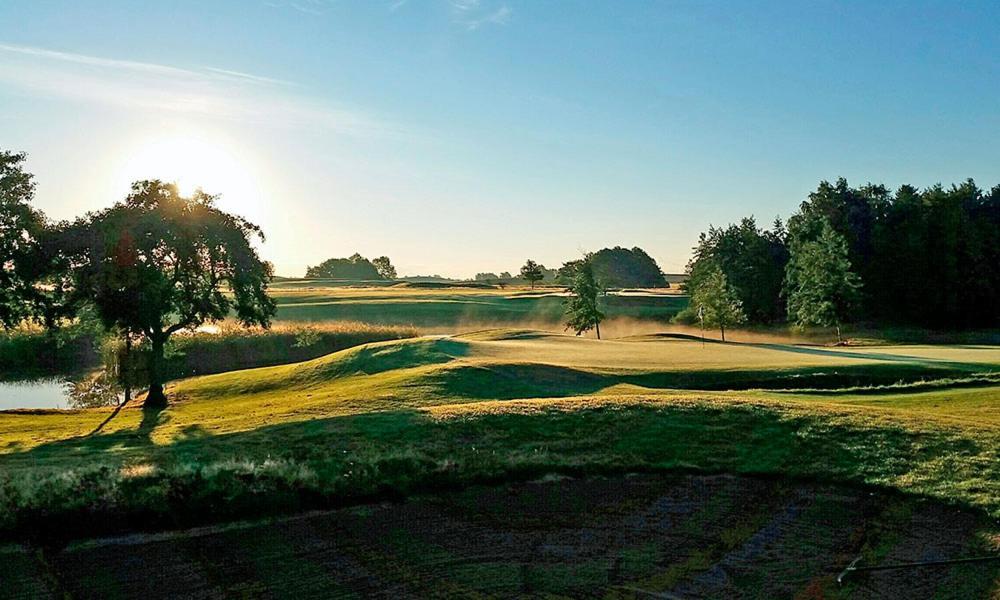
column 384, row 267
column 623, row 268
column 532, row 272
column 20, row 226
column 753, row 261
column 567, row 272
column 925, row 257
column 582, row 312
column 158, row 263
column 822, row 289
column 353, row 267
column 716, row 302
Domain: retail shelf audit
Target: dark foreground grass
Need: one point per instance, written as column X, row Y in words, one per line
column 123, row 481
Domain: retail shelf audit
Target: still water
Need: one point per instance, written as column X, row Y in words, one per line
column 60, row 393
column 37, row 393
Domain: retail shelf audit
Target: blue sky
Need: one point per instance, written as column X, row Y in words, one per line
column 459, row 135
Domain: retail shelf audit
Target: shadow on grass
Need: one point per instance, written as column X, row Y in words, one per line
column 879, row 356
column 323, row 463
column 533, row 380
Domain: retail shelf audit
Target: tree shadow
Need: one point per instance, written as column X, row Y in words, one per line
column 878, row 356
column 320, row 463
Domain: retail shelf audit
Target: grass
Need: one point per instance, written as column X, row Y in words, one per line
column 449, row 307
column 229, row 347
column 395, row 417
column 29, row 352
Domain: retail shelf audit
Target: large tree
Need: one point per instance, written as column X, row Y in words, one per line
column 353, row 267
column 159, row 262
column 623, row 268
column 822, row 289
column 582, row 311
column 716, row 302
column 532, row 272
column 20, row 227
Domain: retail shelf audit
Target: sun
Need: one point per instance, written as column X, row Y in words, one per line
column 193, row 163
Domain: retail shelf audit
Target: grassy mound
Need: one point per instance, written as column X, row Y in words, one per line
column 394, row 417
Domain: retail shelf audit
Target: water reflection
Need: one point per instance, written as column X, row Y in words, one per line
column 86, row 391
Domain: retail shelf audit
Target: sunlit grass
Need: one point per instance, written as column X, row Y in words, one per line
column 396, row 416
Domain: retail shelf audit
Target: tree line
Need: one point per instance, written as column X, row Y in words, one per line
column 912, row 257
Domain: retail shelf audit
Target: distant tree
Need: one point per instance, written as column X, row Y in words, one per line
column 717, row 301
column 158, row 263
column 355, row 267
column 582, row 312
column 822, row 289
column 532, row 272
column 506, row 275
column 384, row 267
column 567, row 272
column 623, row 268
column 753, row 260
column 487, row 277
column 20, row 227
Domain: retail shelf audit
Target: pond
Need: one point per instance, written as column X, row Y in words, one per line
column 57, row 392
column 37, row 393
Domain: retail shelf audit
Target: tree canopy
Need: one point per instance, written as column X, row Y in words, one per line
column 753, row 261
column 159, row 262
column 623, row 268
column 716, row 302
column 922, row 257
column 822, row 288
column 532, row 272
column 582, row 311
column 384, row 267
column 352, row 267
column 20, row 227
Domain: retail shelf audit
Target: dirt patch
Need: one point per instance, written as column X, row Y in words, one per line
column 627, row 537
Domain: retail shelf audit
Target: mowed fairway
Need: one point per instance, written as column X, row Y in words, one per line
column 392, row 419
column 449, row 308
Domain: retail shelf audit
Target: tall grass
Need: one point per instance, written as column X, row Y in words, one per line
column 28, row 351
column 229, row 347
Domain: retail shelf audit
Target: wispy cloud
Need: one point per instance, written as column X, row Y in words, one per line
column 500, row 16
column 208, row 92
column 309, row 7
column 473, row 14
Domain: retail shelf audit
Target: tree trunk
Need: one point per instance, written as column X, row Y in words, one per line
column 156, row 397
column 125, row 370
column 598, row 326
column 722, row 328
column 840, row 340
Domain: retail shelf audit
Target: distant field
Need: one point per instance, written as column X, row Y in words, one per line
column 447, row 307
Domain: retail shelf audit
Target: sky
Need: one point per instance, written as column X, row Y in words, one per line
column 458, row 136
